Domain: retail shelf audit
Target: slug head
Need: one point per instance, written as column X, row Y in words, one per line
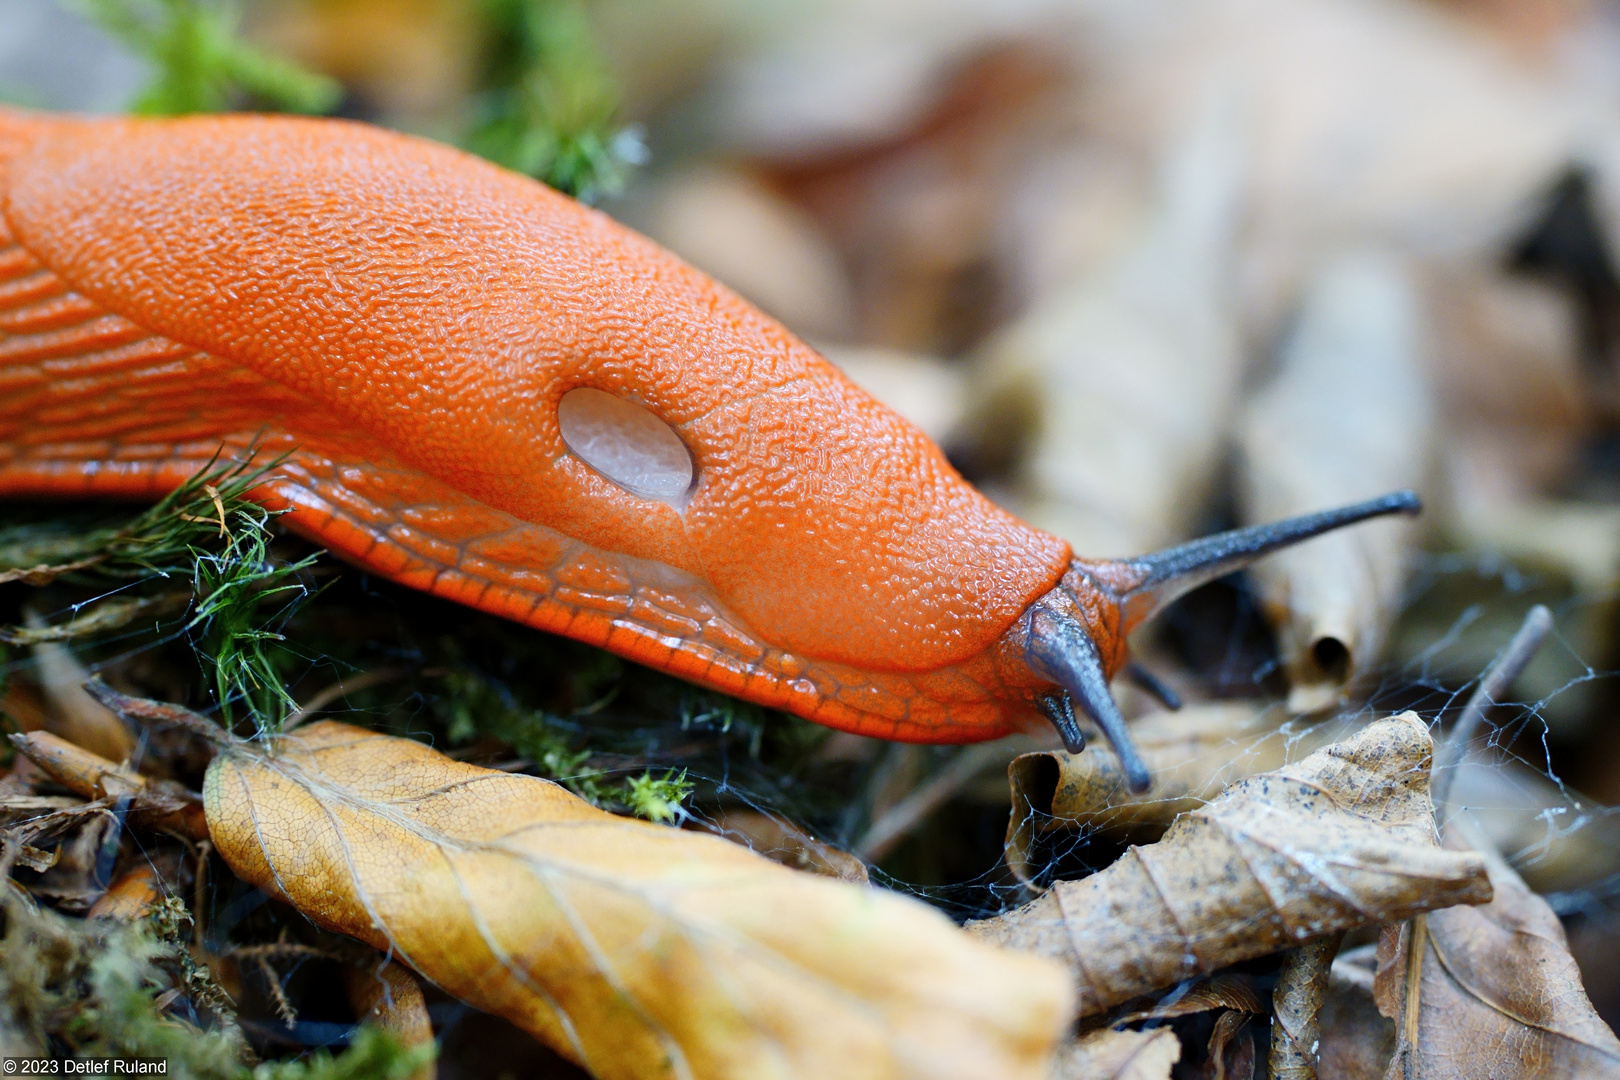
column 1075, row 635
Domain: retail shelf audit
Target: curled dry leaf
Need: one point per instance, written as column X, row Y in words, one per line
column 112, row 613
column 1194, row 753
column 130, row 896
column 1231, row 1048
column 1349, row 414
column 140, row 885
column 1119, row 1055
column 153, row 804
column 1230, row 991
column 19, row 809
column 1499, row 995
column 1344, row 838
column 1302, row 986
column 636, row 949
column 389, row 996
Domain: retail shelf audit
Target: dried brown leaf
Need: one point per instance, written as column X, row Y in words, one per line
column 1230, row 1058
column 1135, row 368
column 1227, row 991
column 45, row 573
column 389, row 996
column 73, row 713
column 786, row 843
column 1499, row 994
column 99, row 618
column 35, row 858
column 1194, row 753
column 1302, row 986
column 153, row 804
column 1119, row 1055
column 1344, row 838
column 1357, row 1040
column 133, row 892
column 636, row 949
column 21, row 808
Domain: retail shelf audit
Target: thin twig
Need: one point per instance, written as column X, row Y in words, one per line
column 158, row 712
column 1417, row 943
column 284, row 1007
column 279, row 950
column 1447, row 757
column 898, row 822
column 199, row 891
column 1492, row 685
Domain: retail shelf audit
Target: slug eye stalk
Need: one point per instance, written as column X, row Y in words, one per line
column 1062, row 642
column 1165, row 576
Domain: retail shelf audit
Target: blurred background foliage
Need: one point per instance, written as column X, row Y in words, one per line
column 1144, row 270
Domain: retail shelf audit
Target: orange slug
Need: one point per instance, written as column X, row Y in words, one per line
column 490, row 392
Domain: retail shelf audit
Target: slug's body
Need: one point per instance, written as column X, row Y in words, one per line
column 404, row 320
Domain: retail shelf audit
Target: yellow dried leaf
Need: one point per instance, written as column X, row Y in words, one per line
column 1344, row 838
column 638, row 950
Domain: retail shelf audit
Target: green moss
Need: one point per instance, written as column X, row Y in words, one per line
column 471, row 704
column 201, row 63
column 548, row 103
column 208, row 533
column 373, row 1054
column 90, row 986
column 241, row 596
column 160, row 541
column 658, row 798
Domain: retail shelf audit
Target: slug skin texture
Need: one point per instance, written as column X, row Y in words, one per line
column 402, row 319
